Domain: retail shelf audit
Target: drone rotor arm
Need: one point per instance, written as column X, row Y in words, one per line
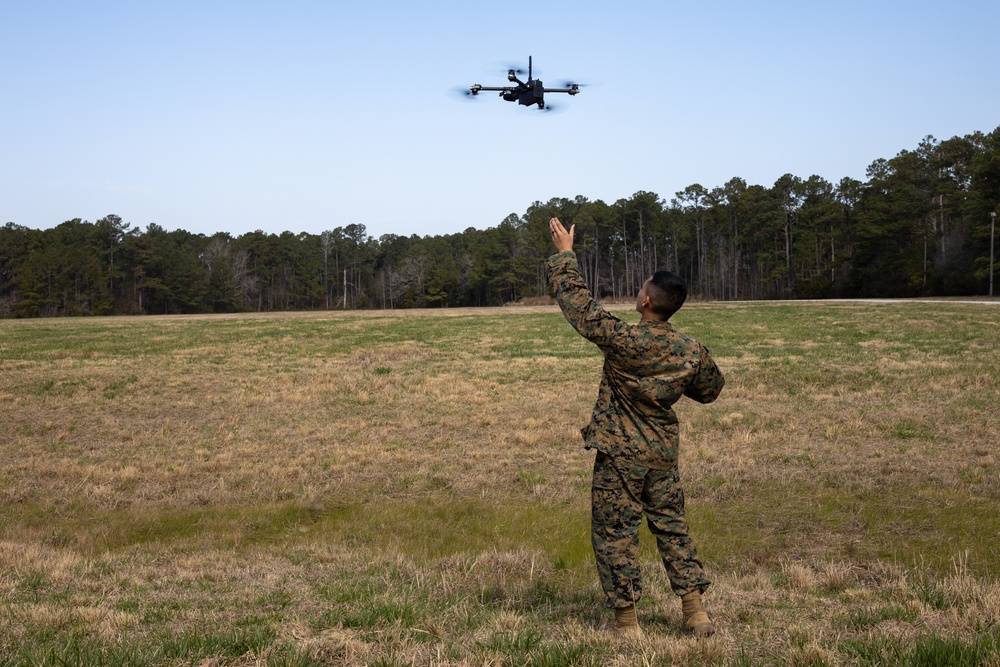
column 575, row 90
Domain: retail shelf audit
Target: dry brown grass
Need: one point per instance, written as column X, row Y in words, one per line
column 294, row 473
column 465, row 602
column 249, row 422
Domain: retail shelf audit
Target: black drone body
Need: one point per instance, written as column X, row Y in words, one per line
column 525, row 93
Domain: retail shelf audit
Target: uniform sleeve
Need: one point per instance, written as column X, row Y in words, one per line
column 707, row 384
column 586, row 315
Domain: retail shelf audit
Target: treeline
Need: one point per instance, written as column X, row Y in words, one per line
column 919, row 226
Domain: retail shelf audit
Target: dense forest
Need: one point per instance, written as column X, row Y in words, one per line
column 919, row 226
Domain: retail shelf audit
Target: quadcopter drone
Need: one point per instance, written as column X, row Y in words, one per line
column 525, row 93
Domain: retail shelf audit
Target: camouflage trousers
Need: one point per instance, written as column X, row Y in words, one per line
column 621, row 494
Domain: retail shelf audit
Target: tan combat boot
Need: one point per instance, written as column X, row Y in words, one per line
column 626, row 624
column 696, row 621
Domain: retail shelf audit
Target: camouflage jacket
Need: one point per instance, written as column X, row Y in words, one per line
column 648, row 366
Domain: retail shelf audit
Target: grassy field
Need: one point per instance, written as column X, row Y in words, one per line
column 409, row 488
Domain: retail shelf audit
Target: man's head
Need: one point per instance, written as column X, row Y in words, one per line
column 661, row 295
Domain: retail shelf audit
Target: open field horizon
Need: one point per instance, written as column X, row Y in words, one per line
column 409, row 487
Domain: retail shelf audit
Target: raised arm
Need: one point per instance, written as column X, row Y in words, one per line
column 586, row 315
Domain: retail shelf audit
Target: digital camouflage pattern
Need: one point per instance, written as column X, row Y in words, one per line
column 620, row 495
column 648, row 366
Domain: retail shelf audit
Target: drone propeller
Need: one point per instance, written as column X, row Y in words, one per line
column 463, row 93
column 573, row 84
column 516, row 68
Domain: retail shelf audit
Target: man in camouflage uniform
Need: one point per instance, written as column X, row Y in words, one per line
column 647, row 368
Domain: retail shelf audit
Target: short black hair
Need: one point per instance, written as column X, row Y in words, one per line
column 667, row 292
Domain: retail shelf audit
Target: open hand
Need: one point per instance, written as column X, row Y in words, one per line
column 560, row 237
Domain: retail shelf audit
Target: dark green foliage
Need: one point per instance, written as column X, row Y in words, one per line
column 919, row 226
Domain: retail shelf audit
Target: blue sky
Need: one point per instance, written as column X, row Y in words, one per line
column 306, row 116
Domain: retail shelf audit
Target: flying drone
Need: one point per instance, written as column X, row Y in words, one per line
column 525, row 93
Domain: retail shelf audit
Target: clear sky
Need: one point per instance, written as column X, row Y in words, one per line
column 305, row 116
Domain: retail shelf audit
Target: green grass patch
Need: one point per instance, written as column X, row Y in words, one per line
column 528, row 647
column 926, row 524
column 869, row 617
column 931, row 527
column 925, row 651
column 41, row 647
